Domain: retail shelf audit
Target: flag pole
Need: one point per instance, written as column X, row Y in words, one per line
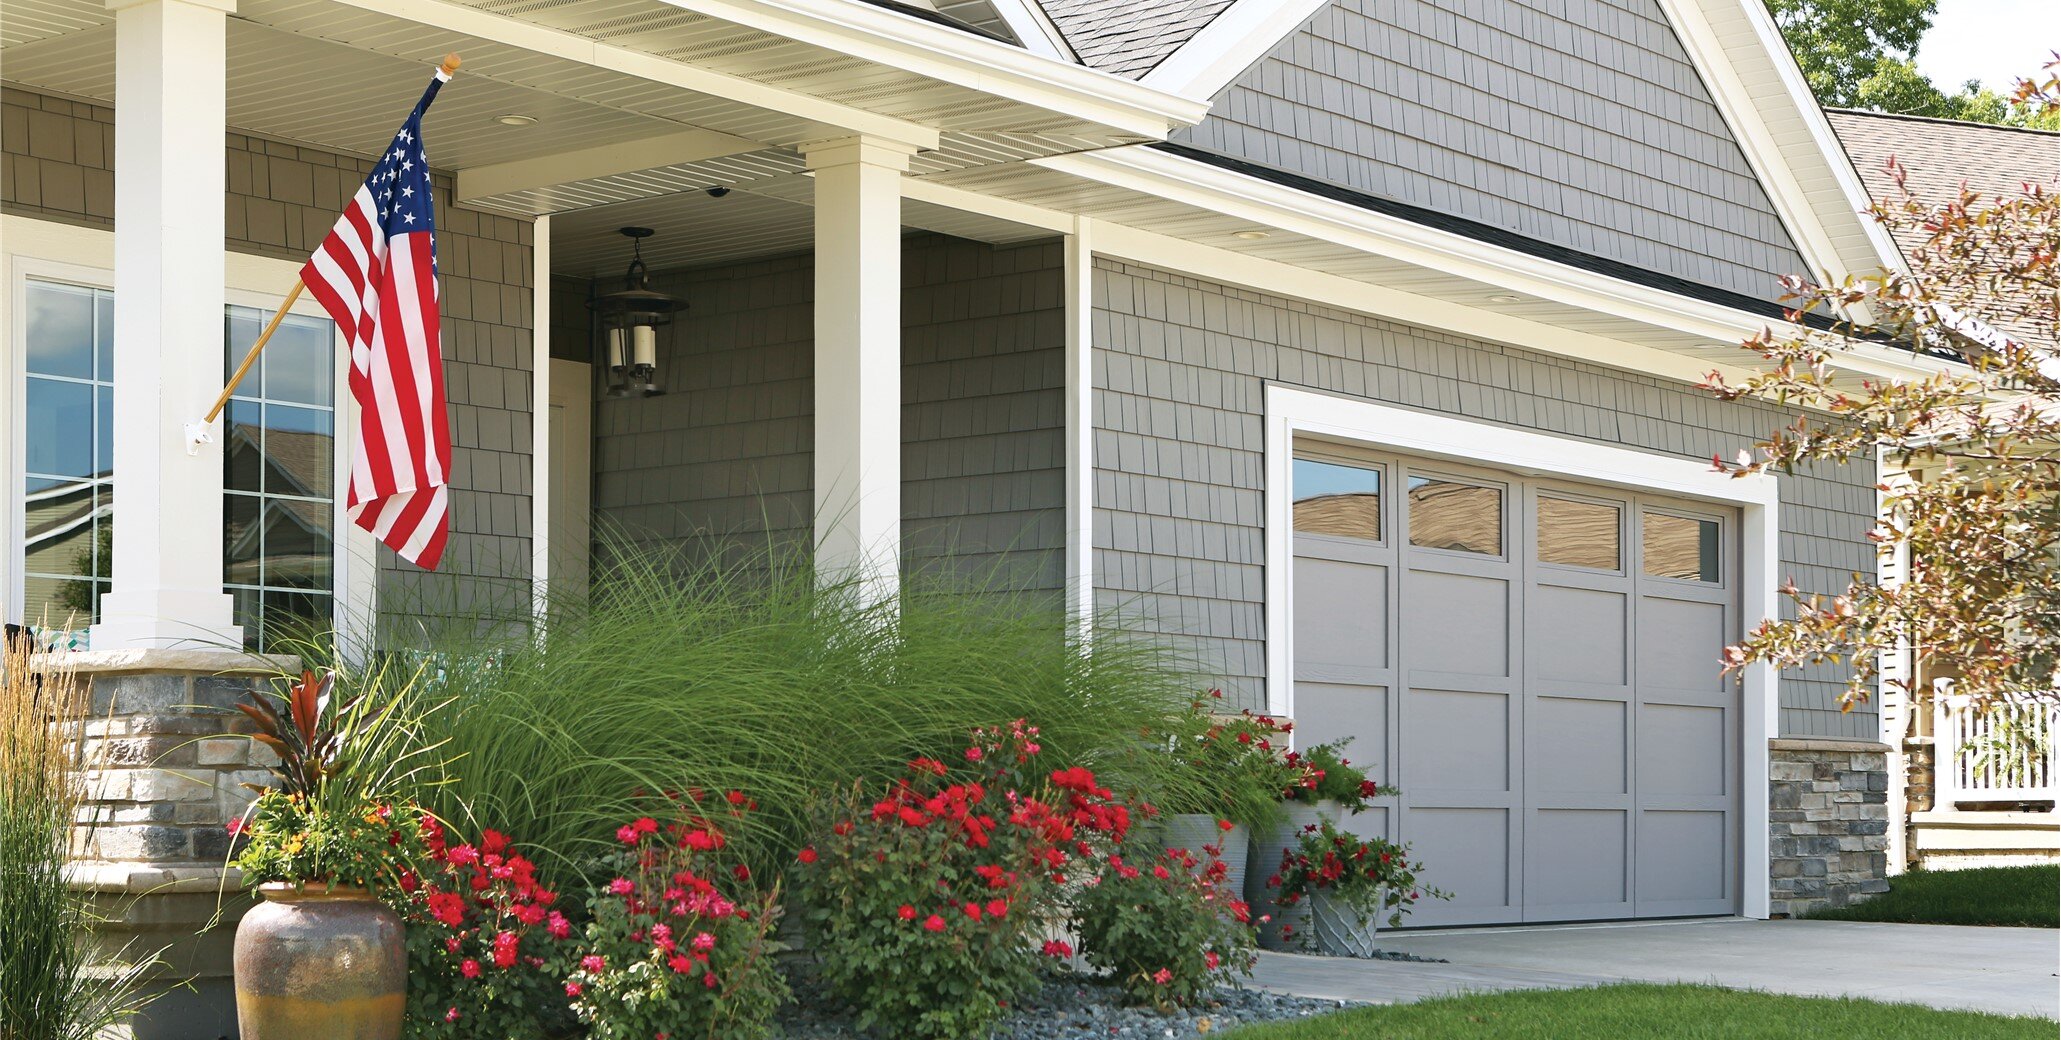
column 198, row 434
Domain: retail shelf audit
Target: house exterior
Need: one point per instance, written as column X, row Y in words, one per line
column 1966, row 788
column 1353, row 345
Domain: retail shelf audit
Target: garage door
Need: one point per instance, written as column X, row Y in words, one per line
column 1535, row 665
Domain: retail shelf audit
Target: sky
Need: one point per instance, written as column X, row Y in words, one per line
column 1994, row 41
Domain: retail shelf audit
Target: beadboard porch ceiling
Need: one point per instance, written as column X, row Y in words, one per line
column 595, row 74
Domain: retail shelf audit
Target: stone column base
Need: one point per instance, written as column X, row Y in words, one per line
column 1828, row 823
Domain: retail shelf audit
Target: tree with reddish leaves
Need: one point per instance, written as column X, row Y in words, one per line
column 1979, row 598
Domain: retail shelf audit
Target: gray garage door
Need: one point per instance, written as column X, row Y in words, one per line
column 1535, row 665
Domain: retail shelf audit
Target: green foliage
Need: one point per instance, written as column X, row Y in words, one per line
column 1862, row 54
column 667, row 952
column 52, row 985
column 1646, row 1011
column 1323, row 773
column 2013, row 897
column 1233, row 765
column 1159, row 922
column 291, row 838
column 483, row 942
column 1371, row 876
column 923, row 905
column 686, row 674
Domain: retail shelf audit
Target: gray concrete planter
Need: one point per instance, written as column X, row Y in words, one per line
column 1338, row 930
column 1192, row 831
column 1284, row 929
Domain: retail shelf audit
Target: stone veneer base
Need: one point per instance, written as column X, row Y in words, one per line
column 1828, row 823
column 169, row 765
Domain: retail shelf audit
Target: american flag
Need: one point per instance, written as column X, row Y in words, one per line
column 376, row 274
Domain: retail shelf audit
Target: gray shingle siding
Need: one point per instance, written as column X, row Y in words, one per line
column 1181, row 368
column 57, row 163
column 728, row 450
column 1576, row 122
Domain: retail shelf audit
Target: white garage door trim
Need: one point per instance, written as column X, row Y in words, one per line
column 1293, row 413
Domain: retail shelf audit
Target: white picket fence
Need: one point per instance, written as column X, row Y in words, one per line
column 2004, row 753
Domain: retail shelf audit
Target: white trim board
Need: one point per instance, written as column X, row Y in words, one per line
column 1291, row 412
column 1080, row 418
column 30, row 247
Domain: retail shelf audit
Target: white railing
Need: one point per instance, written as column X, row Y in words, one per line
column 2003, row 753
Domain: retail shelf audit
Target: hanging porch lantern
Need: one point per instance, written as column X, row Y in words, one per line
column 629, row 319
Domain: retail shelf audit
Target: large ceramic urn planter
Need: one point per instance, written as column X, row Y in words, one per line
column 315, row 962
column 1192, row 831
column 1284, row 927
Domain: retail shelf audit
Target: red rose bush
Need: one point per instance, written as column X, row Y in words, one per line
column 1164, row 924
column 678, row 944
column 482, row 935
column 926, row 905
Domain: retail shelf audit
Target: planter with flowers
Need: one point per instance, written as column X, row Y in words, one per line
column 1320, row 788
column 1232, row 776
column 1347, row 887
column 322, row 956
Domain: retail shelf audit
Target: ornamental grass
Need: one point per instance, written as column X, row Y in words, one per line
column 53, row 986
column 690, row 670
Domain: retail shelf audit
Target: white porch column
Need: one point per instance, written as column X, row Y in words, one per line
column 171, row 68
column 858, row 448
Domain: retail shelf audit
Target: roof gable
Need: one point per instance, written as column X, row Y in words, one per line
column 1580, row 123
column 1129, row 37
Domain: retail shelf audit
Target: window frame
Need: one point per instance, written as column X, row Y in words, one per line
column 41, row 250
column 1317, row 451
column 1724, row 551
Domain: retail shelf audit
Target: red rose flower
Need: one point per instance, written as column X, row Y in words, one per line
column 934, row 923
column 906, row 913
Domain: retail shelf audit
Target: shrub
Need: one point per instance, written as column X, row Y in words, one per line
column 1164, row 928
column 923, row 905
column 1370, row 876
column 668, row 951
column 483, row 939
column 683, row 673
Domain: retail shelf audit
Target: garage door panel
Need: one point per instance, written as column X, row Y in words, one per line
column 1681, row 643
column 1577, row 635
column 1458, row 740
column 1576, row 746
column 1341, row 614
column 1682, row 751
column 1325, row 712
column 1457, row 623
column 1682, row 859
column 1577, row 863
column 1465, row 851
column 1375, row 821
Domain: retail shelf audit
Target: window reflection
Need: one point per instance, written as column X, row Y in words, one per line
column 1681, row 547
column 67, row 491
column 1578, row 534
column 1446, row 514
column 1336, row 499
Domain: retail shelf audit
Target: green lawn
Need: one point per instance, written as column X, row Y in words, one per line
column 2023, row 896
column 1638, row 1011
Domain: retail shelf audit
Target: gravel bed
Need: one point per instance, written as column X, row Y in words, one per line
column 1080, row 1009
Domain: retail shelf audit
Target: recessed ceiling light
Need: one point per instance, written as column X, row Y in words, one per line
column 516, row 119
column 1504, row 298
column 1251, row 236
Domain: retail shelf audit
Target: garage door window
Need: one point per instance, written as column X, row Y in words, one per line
column 1574, row 533
column 1336, row 499
column 1681, row 547
column 1446, row 514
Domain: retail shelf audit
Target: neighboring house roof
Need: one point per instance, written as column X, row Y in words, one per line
column 1129, row 37
column 1938, row 156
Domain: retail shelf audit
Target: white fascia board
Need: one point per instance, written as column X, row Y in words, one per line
column 1722, row 58
column 1238, row 36
column 954, row 56
column 1266, row 204
column 608, row 160
column 1028, row 20
column 511, row 32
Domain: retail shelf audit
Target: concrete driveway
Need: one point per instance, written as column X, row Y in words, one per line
column 2009, row 970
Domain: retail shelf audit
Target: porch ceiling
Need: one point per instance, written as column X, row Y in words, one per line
column 594, row 73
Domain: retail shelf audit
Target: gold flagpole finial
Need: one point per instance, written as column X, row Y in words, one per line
column 450, row 65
